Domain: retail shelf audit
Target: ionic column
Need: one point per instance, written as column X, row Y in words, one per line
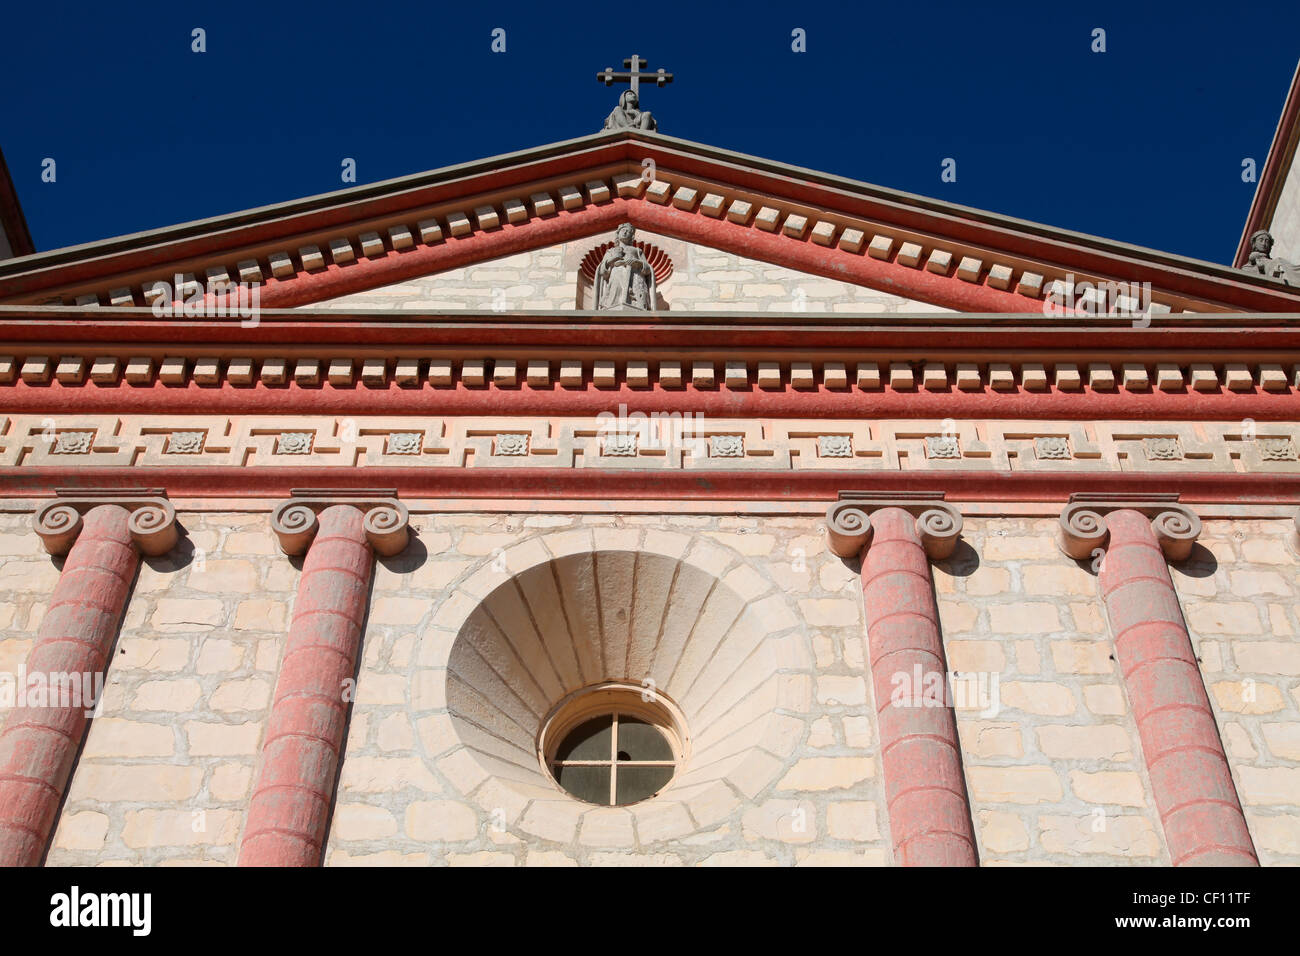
column 1190, row 778
column 290, row 807
column 39, row 744
column 925, row 789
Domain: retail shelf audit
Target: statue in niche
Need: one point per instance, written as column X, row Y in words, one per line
column 1261, row 260
column 627, row 115
column 624, row 278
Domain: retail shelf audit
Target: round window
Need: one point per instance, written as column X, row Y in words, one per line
column 613, row 744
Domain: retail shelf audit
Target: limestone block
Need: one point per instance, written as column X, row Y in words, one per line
column 940, row 262
column 1030, row 284
column 909, row 254
column 999, row 277
column 881, row 247
column 739, row 212
column 341, row 251
column 458, row 224
column 311, row 257
column 400, row 237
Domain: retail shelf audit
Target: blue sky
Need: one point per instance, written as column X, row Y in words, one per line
column 1142, row 143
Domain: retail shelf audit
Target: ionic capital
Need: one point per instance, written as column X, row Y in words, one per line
column 848, row 521
column 386, row 523
column 1083, row 522
column 152, row 523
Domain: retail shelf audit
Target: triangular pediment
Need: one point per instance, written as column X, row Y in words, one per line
column 691, row 277
column 326, row 249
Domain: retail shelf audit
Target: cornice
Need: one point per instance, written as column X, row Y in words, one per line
column 1186, row 380
column 544, row 484
column 936, row 252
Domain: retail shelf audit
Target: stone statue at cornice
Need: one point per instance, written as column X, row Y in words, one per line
column 624, row 278
column 627, row 115
column 1261, row 260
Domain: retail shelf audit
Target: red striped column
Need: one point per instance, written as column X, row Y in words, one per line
column 1190, row 778
column 289, row 813
column 39, row 744
column 925, row 788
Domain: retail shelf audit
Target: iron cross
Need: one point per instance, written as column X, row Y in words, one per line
column 634, row 75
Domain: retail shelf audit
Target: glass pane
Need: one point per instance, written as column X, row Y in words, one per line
column 588, row 741
column 638, row 740
column 638, row 783
column 585, row 783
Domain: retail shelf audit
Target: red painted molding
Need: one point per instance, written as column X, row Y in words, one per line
column 925, row 789
column 453, row 252
column 1270, row 337
column 722, row 402
column 307, row 288
column 39, row 745
column 831, row 263
column 602, row 484
column 289, row 813
column 1190, row 778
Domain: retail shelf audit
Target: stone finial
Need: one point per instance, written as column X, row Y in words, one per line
column 1083, row 523
column 152, row 523
column 387, row 522
column 628, row 115
column 848, row 521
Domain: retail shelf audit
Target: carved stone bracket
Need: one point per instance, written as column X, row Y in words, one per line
column 1083, row 522
column 848, row 521
column 152, row 523
column 387, row 523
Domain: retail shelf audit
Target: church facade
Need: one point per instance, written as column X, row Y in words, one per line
column 631, row 501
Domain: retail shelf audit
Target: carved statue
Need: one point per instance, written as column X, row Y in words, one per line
column 1261, row 260
column 627, row 116
column 624, row 278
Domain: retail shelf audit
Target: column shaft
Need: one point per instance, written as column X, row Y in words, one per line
column 1190, row 778
column 289, row 811
column 929, row 810
column 39, row 744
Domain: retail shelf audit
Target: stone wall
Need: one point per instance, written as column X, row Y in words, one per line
column 703, row 279
column 1241, row 597
column 1054, row 771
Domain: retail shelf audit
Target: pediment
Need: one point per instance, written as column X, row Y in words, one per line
column 324, row 249
column 691, row 277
